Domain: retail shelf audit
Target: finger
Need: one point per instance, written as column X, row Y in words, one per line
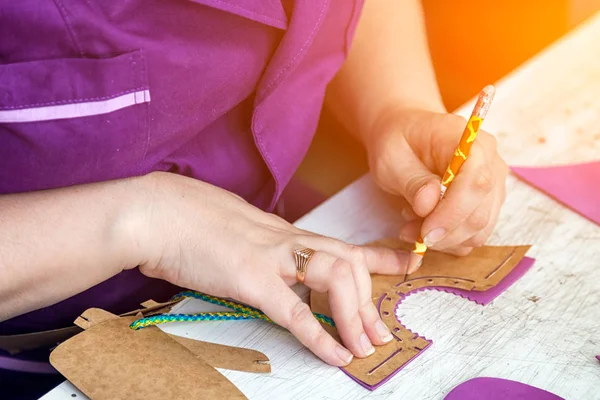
column 400, row 205
column 460, row 251
column 363, row 261
column 353, row 317
column 480, row 238
column 344, row 303
column 410, row 178
column 359, row 261
column 489, row 144
column 469, row 189
column 378, row 259
column 286, row 309
column 473, row 225
column 410, row 231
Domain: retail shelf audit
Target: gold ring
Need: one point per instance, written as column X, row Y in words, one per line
column 302, row 258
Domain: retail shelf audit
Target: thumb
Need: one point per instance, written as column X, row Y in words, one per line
column 413, row 180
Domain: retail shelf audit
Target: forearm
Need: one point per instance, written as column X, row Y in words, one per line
column 57, row 243
column 388, row 68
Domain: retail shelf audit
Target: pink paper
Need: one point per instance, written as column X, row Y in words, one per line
column 498, row 389
column 576, row 186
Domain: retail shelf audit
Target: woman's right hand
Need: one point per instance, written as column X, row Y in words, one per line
column 201, row 237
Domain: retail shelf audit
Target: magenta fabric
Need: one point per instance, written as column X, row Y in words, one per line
column 236, row 89
column 498, row 389
column 576, row 186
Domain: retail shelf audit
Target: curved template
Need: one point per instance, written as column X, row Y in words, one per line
column 576, row 186
column 479, row 277
column 498, row 389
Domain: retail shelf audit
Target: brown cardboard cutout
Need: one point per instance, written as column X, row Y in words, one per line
column 216, row 355
column 111, row 361
column 484, row 268
column 227, row 357
column 15, row 344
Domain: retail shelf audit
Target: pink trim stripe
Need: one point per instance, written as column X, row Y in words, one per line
column 75, row 110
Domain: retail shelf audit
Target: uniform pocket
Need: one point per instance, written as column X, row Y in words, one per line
column 71, row 121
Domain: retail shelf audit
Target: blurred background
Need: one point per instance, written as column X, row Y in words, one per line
column 506, row 34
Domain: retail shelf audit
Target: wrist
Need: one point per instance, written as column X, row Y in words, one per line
column 133, row 226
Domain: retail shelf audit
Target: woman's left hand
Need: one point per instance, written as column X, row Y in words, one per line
column 409, row 151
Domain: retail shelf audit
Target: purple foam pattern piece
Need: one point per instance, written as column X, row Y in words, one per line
column 498, row 389
column 487, row 296
column 480, row 297
column 576, row 186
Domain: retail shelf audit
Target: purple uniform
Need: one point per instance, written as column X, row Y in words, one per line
column 225, row 91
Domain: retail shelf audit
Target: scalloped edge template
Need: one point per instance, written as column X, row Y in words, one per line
column 480, row 277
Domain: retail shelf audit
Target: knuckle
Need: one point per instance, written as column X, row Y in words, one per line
column 490, row 141
column 320, row 339
column 412, row 187
column 479, row 240
column 357, row 254
column 478, row 221
column 368, row 310
column 300, row 315
column 341, row 270
column 484, row 180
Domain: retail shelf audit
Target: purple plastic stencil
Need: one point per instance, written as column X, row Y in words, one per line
column 498, row 389
column 576, row 186
column 598, row 358
column 480, row 297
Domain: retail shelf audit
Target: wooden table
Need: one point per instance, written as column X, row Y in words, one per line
column 547, row 112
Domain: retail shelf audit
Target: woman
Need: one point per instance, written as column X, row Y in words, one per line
column 152, row 139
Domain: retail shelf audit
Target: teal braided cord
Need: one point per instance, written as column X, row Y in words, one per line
column 243, row 313
column 216, row 300
column 166, row 318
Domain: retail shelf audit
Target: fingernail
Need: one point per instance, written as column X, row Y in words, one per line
column 344, row 355
column 366, row 344
column 434, row 236
column 383, row 331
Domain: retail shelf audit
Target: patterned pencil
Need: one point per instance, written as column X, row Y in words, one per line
column 460, row 156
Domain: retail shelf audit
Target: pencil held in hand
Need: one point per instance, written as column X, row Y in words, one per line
column 460, row 156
